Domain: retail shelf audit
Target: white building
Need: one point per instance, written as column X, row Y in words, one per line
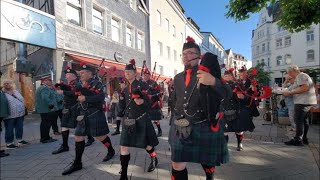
column 167, row 35
column 235, row 60
column 277, row 48
column 211, row 44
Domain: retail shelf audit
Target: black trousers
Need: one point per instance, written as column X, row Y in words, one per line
column 45, row 125
column 55, row 116
column 300, row 117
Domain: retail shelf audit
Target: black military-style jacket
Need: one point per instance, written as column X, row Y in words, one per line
column 70, row 97
column 245, row 85
column 154, row 92
column 133, row 110
column 93, row 91
column 194, row 111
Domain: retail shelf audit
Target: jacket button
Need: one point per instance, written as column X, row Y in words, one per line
column 186, row 92
column 181, row 115
column 184, row 98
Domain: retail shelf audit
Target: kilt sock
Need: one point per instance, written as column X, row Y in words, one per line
column 179, row 175
column 65, row 136
column 124, row 159
column 209, row 170
column 152, row 152
column 226, row 137
column 239, row 138
column 157, row 123
column 107, row 143
column 118, row 125
column 79, row 151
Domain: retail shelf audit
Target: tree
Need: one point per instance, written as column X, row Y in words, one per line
column 262, row 76
column 314, row 73
column 293, row 15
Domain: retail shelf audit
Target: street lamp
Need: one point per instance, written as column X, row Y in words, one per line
column 282, row 71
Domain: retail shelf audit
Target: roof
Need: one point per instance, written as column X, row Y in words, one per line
column 228, row 51
column 213, row 37
column 193, row 23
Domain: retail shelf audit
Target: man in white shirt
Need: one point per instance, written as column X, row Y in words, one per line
column 304, row 96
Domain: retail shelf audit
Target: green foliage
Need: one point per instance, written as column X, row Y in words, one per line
column 263, row 76
column 293, row 15
column 314, row 73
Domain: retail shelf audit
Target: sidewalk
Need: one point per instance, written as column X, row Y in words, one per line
column 264, row 157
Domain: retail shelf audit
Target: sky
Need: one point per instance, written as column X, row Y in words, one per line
column 210, row 17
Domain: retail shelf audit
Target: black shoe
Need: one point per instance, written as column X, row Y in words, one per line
column 115, row 133
column 153, row 164
column 11, row 146
column 240, row 147
column 3, row 154
column 74, row 167
column 61, row 149
column 159, row 133
column 109, row 156
column 305, row 141
column 89, row 142
column 294, row 142
column 22, row 142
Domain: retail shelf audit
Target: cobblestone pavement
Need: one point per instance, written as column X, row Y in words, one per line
column 264, row 157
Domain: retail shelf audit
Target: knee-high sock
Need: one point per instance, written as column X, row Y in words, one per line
column 226, row 137
column 157, row 123
column 65, row 136
column 118, row 125
column 239, row 138
column 107, row 143
column 179, row 175
column 152, row 152
column 124, row 159
column 209, row 170
column 79, row 151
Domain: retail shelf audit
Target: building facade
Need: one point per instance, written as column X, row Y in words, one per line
column 86, row 31
column 211, row 44
column 167, row 35
column 277, row 48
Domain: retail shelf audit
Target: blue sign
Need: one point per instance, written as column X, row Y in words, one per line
column 25, row 24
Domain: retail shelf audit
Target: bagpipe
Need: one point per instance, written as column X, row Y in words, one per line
column 254, row 91
column 155, row 91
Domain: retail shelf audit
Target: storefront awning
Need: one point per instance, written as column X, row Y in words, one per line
column 117, row 67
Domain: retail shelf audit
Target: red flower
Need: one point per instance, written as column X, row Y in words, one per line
column 231, row 69
column 68, row 67
column 132, row 61
column 190, row 39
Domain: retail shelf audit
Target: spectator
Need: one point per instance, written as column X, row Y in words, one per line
column 114, row 105
column 288, row 83
column 45, row 105
column 4, row 112
column 304, row 96
column 14, row 122
column 59, row 99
